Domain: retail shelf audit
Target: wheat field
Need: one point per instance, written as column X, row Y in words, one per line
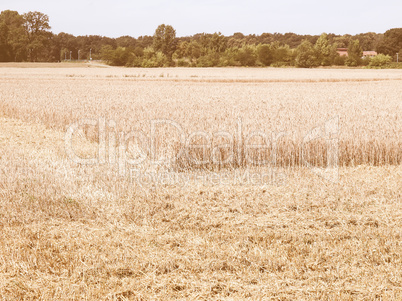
column 73, row 231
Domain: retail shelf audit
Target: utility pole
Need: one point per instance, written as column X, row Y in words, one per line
column 78, row 55
column 397, row 57
column 65, row 55
column 70, row 55
column 90, row 54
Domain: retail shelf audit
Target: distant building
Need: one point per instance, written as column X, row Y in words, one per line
column 344, row 52
column 369, row 54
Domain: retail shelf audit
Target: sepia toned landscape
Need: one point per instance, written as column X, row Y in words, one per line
column 109, row 230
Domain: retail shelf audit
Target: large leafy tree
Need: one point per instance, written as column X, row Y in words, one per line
column 38, row 35
column 67, row 43
column 126, row 41
column 265, row 54
column 12, row 36
column 282, row 53
column 355, row 53
column 165, row 40
column 323, row 50
column 246, row 56
column 306, row 55
column 218, row 42
column 369, row 40
column 392, row 42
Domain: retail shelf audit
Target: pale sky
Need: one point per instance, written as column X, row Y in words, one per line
column 135, row 18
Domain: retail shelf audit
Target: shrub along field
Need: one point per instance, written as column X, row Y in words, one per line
column 75, row 231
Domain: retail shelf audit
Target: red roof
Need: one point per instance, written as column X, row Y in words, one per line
column 369, row 53
column 344, row 52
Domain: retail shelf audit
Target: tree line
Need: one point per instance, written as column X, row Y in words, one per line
column 27, row 37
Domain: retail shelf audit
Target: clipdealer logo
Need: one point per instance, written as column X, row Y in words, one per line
column 113, row 147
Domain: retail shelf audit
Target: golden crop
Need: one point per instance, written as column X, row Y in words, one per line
column 71, row 231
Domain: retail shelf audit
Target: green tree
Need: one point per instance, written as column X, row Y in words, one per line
column 211, row 59
column 265, row 54
column 282, row 54
column 323, row 50
column 228, row 58
column 369, row 40
column 380, row 60
column 12, row 36
column 342, row 41
column 182, row 50
column 165, row 40
column 392, row 42
column 126, row 41
column 107, row 53
column 218, row 42
column 119, row 56
column 247, row 56
column 355, row 54
column 195, row 49
column 306, row 56
column 37, row 30
column 154, row 58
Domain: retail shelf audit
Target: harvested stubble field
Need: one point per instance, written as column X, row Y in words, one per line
column 76, row 232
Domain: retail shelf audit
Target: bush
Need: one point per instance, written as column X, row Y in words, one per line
column 281, row 64
column 265, row 54
column 154, row 58
column 340, row 60
column 355, row 53
column 246, row 56
column 204, row 61
column 209, row 60
column 135, row 62
column 306, row 55
column 182, row 63
column 115, row 57
column 366, row 61
column 227, row 58
column 352, row 62
column 380, row 60
column 282, row 53
column 394, row 65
